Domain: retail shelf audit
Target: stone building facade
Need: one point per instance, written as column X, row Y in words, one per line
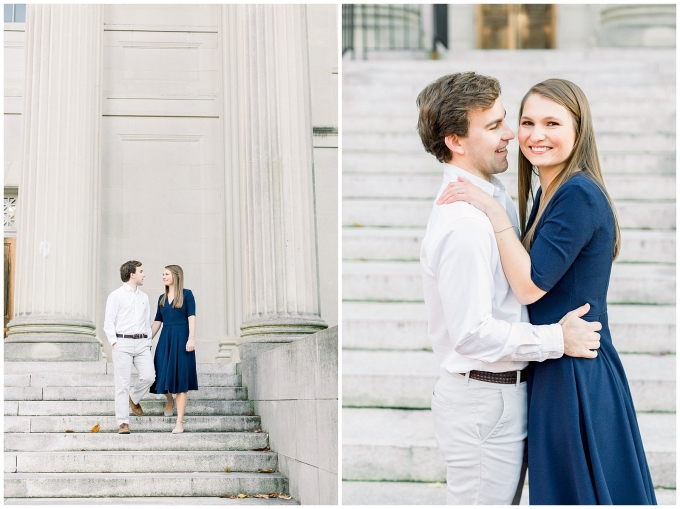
column 198, row 135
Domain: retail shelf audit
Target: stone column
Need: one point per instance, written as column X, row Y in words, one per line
column 229, row 42
column 279, row 254
column 57, row 232
column 640, row 25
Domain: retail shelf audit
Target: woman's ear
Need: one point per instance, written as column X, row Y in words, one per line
column 453, row 144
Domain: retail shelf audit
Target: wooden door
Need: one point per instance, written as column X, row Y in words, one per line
column 515, row 26
column 10, row 261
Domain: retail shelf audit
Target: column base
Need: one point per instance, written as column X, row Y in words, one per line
column 250, row 346
column 260, row 335
column 51, row 338
column 228, row 350
column 52, row 351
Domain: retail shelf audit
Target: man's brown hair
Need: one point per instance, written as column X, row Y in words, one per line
column 444, row 105
column 129, row 268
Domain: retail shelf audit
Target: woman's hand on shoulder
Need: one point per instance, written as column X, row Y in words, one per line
column 462, row 190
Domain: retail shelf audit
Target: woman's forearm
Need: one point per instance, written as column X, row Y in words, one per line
column 192, row 326
column 514, row 258
column 154, row 329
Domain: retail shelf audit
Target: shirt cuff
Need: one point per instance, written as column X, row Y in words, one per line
column 553, row 341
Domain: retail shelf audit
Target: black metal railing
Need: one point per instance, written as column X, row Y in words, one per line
column 381, row 27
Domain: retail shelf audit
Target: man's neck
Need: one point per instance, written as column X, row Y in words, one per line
column 132, row 285
column 474, row 171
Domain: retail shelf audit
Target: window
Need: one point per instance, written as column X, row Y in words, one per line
column 9, row 211
column 15, row 13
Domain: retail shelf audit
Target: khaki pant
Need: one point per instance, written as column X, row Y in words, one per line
column 481, row 430
column 126, row 353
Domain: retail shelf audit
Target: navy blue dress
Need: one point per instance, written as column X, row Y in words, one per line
column 175, row 367
column 583, row 436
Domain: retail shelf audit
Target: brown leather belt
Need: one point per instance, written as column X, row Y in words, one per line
column 507, row 377
column 131, row 336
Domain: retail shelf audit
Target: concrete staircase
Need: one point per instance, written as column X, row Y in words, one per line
column 51, row 453
column 389, row 183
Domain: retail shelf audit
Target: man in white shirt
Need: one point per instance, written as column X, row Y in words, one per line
column 128, row 328
column 478, row 330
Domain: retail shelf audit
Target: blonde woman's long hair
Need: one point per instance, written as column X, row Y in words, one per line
column 583, row 156
column 178, row 283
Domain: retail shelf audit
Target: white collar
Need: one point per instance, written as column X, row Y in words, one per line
column 451, row 174
column 128, row 288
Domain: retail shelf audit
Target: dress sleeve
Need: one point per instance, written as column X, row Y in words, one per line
column 570, row 221
column 191, row 303
column 159, row 315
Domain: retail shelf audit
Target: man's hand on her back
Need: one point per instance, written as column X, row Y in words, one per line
column 580, row 337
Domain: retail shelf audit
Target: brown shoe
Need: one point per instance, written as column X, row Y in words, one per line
column 137, row 409
column 124, row 429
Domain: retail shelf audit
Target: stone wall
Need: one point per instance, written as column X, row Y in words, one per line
column 295, row 390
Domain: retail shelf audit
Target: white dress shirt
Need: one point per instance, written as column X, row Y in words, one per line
column 127, row 312
column 474, row 319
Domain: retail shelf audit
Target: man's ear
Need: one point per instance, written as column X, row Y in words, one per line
column 453, row 144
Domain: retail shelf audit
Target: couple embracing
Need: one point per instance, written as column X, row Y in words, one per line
column 128, row 329
column 501, row 292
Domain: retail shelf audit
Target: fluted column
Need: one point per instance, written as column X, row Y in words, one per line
column 57, row 231
column 640, row 25
column 279, row 253
column 233, row 314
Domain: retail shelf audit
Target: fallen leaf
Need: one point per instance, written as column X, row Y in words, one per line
column 262, row 496
column 69, row 431
column 95, row 429
column 227, row 469
column 273, row 494
column 242, row 495
column 264, row 449
column 357, row 225
column 285, row 497
column 267, row 471
column 258, row 430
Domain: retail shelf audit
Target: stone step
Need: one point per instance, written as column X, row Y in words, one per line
column 108, row 394
column 595, row 67
column 101, row 368
column 405, row 119
column 157, row 501
column 403, row 244
column 639, row 162
column 632, row 214
column 138, row 424
column 426, row 186
column 150, row 408
column 101, row 380
column 142, row 462
column 405, row 91
column 403, row 326
column 401, row 281
column 399, row 445
column 409, row 142
column 55, row 442
column 199, row 484
column 398, row 379
column 421, row 493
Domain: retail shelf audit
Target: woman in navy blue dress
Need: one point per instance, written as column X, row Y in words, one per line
column 175, row 358
column 583, row 437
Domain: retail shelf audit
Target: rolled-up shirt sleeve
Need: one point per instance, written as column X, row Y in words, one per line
column 466, row 286
column 110, row 318
column 147, row 318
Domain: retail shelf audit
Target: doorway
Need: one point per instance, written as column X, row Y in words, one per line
column 10, row 261
column 515, row 26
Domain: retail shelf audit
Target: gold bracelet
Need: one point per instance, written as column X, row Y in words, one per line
column 499, row 231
